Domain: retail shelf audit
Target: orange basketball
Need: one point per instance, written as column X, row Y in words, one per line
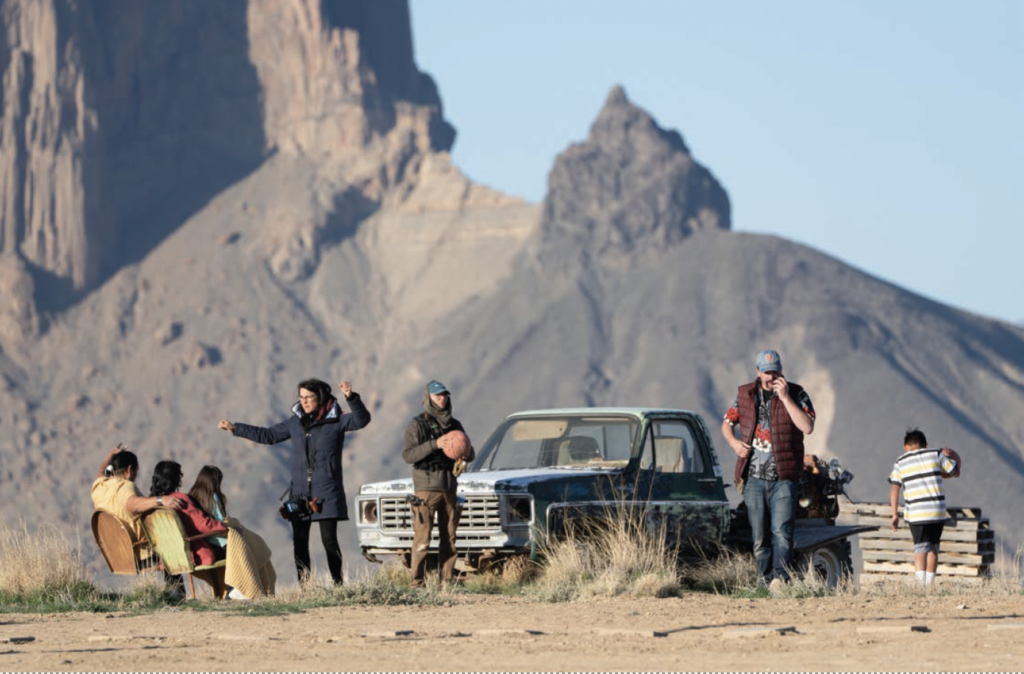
column 956, row 457
column 459, row 447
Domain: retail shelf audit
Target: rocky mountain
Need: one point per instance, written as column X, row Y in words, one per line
column 204, row 204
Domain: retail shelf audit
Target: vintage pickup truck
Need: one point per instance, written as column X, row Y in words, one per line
column 540, row 470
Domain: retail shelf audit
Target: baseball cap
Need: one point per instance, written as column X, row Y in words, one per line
column 435, row 387
column 769, row 361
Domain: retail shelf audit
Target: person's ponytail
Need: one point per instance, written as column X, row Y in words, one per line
column 121, row 462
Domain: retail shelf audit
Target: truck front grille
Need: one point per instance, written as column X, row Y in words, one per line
column 479, row 513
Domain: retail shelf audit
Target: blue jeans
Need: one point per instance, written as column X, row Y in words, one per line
column 771, row 507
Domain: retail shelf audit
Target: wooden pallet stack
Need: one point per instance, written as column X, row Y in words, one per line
column 967, row 551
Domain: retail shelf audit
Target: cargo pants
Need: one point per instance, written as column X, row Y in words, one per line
column 445, row 506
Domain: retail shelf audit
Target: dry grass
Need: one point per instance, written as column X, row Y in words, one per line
column 726, row 573
column 387, row 585
column 731, row 573
column 1006, row 578
column 613, row 556
column 734, row 574
column 509, row 577
column 520, row 570
column 42, row 569
column 44, row 559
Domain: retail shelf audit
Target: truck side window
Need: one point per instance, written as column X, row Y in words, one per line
column 675, row 448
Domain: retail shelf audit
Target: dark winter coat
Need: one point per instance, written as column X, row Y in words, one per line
column 323, row 441
column 787, row 439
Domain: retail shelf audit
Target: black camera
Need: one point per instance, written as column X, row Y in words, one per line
column 297, row 508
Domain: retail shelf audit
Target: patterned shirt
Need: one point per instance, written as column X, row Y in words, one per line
column 762, row 461
column 920, row 474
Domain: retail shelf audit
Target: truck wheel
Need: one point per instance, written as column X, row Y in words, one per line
column 830, row 563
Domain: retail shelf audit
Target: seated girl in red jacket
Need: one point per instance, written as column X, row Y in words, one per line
column 166, row 482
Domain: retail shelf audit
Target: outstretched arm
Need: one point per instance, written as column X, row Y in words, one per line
column 265, row 436
column 142, row 504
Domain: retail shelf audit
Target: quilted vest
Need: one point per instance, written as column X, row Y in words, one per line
column 787, row 439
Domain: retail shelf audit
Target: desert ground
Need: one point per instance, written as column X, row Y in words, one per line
column 694, row 632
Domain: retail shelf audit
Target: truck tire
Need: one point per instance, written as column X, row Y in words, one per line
column 830, row 563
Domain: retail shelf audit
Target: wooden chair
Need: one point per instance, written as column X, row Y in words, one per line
column 121, row 550
column 166, row 534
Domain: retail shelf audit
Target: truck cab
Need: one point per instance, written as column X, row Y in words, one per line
column 542, row 471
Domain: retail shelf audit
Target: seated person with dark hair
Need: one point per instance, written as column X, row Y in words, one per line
column 166, row 481
column 114, row 491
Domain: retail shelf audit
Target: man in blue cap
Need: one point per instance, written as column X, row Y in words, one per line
column 773, row 416
column 428, row 445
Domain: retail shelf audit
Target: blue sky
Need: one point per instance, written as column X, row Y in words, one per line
column 887, row 134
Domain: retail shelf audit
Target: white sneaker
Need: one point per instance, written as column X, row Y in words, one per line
column 776, row 587
column 236, row 595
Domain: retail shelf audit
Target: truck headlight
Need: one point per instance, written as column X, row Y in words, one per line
column 368, row 512
column 519, row 508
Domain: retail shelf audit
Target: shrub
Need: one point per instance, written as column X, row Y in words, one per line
column 608, row 556
column 727, row 573
column 519, row 570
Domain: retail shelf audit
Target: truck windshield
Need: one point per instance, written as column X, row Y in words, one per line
column 564, row 442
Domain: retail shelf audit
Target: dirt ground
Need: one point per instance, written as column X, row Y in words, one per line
column 697, row 632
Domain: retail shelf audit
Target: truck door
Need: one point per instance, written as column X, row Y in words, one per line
column 687, row 498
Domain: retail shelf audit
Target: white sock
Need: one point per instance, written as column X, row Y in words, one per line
column 929, row 578
column 920, row 577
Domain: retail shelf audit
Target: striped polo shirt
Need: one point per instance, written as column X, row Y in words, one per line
column 920, row 474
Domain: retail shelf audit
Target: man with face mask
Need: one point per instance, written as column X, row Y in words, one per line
column 427, row 437
column 773, row 416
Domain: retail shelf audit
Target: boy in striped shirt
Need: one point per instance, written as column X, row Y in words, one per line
column 920, row 472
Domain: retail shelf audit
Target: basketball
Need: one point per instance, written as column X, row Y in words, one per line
column 956, row 457
column 459, row 447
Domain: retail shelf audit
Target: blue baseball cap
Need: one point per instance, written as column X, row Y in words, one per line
column 436, row 388
column 769, row 361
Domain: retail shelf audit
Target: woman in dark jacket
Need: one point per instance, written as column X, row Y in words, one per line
column 317, row 430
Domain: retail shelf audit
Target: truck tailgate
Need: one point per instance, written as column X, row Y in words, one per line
column 810, row 535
